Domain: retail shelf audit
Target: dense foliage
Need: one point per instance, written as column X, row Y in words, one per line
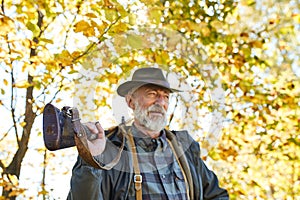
column 238, row 61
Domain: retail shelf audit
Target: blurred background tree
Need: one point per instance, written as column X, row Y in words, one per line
column 75, row 52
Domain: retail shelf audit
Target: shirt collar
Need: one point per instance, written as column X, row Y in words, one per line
column 148, row 143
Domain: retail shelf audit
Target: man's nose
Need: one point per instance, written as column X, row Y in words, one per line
column 161, row 100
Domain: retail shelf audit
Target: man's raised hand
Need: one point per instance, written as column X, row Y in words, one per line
column 97, row 140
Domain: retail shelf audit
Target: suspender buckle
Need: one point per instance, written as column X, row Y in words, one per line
column 137, row 178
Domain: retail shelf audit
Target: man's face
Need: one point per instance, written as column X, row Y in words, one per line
column 150, row 105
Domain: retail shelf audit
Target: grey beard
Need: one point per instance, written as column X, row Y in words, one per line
column 153, row 123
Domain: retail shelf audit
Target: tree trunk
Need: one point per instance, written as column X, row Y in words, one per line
column 14, row 167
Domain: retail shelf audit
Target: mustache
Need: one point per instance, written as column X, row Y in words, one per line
column 157, row 108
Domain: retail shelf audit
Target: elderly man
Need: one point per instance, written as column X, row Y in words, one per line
column 144, row 160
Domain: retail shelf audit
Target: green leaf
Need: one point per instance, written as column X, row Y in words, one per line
column 155, row 15
column 111, row 14
column 33, row 28
column 135, row 41
column 46, row 40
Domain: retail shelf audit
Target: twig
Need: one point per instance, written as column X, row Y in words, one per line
column 98, row 42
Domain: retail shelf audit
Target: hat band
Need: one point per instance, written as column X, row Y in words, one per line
column 156, row 82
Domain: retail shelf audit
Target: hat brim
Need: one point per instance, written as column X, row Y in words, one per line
column 124, row 88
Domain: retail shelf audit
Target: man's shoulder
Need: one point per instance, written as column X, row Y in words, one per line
column 186, row 140
column 182, row 135
column 114, row 134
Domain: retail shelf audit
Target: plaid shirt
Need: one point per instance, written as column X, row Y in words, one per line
column 162, row 176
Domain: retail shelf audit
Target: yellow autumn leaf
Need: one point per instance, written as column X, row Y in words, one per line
column 6, row 24
column 257, row 44
column 204, row 29
column 75, row 54
column 296, row 17
column 64, row 57
column 165, row 56
column 93, row 24
column 90, row 31
column 102, row 27
column 132, row 18
column 22, row 84
column 15, row 51
column 120, row 28
column 22, row 124
column 5, row 82
column 113, row 79
column 193, row 26
column 91, row 15
column 217, row 24
column 149, row 1
column 81, row 26
column 98, row 89
column 65, row 53
column 13, row 179
column 16, row 192
column 43, row 192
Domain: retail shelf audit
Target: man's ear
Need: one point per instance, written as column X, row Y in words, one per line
column 129, row 102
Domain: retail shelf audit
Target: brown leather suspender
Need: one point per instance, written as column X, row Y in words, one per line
column 137, row 173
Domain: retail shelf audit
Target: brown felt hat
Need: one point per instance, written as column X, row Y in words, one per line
column 145, row 76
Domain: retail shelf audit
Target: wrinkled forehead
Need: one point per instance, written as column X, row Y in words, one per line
column 153, row 87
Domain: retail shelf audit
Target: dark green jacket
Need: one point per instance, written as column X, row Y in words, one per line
column 89, row 183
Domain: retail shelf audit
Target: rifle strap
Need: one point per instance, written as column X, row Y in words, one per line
column 81, row 140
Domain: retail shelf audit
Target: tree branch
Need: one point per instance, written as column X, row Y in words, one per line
column 2, row 165
column 12, row 102
column 67, row 32
column 12, row 97
column 98, row 42
column 49, row 83
column 2, row 7
column 75, row 17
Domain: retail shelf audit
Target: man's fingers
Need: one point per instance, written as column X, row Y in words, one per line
column 96, row 131
column 96, row 138
column 91, row 126
column 101, row 133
